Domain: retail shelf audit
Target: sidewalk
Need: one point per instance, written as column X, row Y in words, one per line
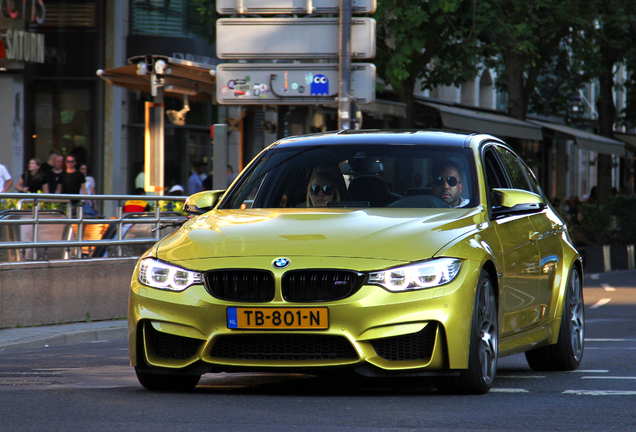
column 41, row 336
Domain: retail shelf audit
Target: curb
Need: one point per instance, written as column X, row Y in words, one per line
column 68, row 338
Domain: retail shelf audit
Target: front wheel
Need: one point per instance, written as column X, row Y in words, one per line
column 567, row 353
column 484, row 344
column 168, row 382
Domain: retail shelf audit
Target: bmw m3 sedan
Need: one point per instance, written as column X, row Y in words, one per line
column 385, row 253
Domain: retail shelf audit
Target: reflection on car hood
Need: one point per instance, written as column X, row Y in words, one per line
column 393, row 234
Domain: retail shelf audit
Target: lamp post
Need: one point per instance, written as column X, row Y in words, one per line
column 576, row 109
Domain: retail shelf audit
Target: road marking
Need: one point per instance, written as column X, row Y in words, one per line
column 600, row 303
column 522, row 376
column 590, row 371
column 508, row 390
column 594, row 276
column 600, row 392
column 607, row 287
column 609, row 377
column 605, row 340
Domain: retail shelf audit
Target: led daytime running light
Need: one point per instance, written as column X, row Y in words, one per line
column 423, row 275
column 165, row 276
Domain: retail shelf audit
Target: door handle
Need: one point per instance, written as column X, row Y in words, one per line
column 534, row 236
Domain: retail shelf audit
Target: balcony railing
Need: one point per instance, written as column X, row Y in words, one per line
column 30, row 232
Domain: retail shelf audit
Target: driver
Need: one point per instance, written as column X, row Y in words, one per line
column 447, row 184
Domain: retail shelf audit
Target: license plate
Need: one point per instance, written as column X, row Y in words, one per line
column 277, row 318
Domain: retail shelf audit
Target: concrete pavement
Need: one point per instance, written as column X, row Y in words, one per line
column 60, row 334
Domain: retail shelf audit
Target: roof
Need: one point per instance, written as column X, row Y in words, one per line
column 176, row 76
column 377, row 136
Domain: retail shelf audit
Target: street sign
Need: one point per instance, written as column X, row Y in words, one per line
column 291, row 38
column 275, row 7
column 290, row 84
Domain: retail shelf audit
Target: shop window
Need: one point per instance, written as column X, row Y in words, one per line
column 178, row 18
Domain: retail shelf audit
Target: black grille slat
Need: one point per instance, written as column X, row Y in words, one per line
column 416, row 346
column 171, row 346
column 240, row 285
column 320, row 285
column 283, row 347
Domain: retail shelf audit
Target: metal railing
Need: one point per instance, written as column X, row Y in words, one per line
column 30, row 235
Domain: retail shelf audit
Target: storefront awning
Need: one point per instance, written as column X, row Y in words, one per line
column 384, row 108
column 485, row 122
column 586, row 140
column 628, row 138
column 177, row 77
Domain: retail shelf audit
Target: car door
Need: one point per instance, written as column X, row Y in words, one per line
column 548, row 228
column 519, row 284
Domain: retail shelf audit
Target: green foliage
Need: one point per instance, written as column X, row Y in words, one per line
column 595, row 223
column 610, row 223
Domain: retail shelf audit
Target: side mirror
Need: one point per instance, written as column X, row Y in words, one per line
column 515, row 201
column 202, row 202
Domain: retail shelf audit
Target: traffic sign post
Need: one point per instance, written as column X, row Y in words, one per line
column 291, row 84
column 342, row 39
column 291, row 38
column 276, row 7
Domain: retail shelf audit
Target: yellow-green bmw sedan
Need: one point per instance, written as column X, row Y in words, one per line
column 385, row 253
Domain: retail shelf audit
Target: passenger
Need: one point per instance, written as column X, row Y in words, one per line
column 447, row 185
column 137, row 205
column 323, row 188
column 33, row 179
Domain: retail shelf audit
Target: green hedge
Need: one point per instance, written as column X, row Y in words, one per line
column 610, row 223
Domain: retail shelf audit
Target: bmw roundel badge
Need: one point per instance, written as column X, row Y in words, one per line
column 281, row 263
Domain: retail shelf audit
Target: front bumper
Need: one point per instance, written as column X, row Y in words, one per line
column 372, row 331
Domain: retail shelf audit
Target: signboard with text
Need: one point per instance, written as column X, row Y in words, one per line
column 291, row 38
column 290, row 84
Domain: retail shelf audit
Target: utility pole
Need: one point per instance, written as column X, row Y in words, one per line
column 344, row 58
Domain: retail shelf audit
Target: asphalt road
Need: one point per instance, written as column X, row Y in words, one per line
column 90, row 387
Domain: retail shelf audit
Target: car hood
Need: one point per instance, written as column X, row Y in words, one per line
column 391, row 234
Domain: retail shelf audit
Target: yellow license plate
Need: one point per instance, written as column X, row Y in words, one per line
column 277, row 318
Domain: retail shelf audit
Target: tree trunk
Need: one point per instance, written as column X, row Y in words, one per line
column 606, row 118
column 405, row 94
column 517, row 108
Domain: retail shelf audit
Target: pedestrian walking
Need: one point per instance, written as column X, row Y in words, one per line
column 195, row 182
column 90, row 206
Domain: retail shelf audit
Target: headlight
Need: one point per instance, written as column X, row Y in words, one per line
column 165, row 276
column 418, row 276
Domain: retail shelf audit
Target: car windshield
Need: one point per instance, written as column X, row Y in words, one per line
column 358, row 175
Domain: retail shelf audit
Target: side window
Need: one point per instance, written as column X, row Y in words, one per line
column 494, row 175
column 515, row 170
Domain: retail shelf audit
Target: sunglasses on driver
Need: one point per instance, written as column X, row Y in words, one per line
column 439, row 181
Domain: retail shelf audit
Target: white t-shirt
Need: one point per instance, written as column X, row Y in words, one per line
column 4, row 176
column 89, row 185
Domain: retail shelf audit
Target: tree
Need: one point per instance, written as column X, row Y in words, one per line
column 521, row 38
column 611, row 39
column 433, row 41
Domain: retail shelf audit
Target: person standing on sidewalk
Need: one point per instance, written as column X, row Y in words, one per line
column 5, row 179
column 33, row 179
column 71, row 180
column 53, row 175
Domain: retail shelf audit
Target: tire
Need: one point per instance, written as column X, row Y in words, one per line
column 484, row 344
column 567, row 353
column 167, row 382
